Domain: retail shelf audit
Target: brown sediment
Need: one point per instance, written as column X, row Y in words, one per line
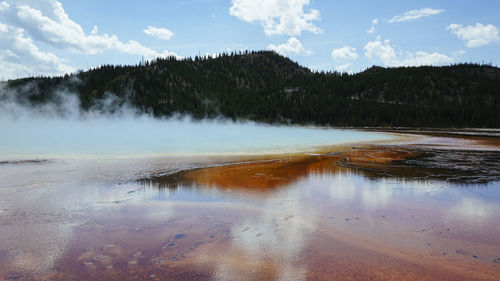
column 262, row 175
column 371, row 160
column 269, row 174
column 456, row 165
column 359, row 258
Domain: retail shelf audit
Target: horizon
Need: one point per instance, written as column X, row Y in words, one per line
column 241, row 53
column 53, row 38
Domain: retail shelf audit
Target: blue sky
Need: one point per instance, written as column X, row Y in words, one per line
column 50, row 37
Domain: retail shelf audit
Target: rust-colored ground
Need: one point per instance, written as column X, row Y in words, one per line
column 269, row 174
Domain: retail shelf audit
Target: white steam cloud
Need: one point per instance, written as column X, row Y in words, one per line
column 111, row 129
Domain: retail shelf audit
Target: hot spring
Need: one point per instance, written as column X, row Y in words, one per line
column 146, row 136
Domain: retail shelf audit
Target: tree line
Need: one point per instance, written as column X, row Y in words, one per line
column 266, row 87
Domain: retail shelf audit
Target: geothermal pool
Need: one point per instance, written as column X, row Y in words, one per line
column 203, row 203
column 136, row 136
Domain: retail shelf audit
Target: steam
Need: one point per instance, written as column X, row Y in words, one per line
column 113, row 128
column 63, row 104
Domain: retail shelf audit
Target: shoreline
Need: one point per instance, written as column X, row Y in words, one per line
column 385, row 158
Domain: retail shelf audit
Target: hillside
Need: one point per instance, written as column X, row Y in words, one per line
column 264, row 86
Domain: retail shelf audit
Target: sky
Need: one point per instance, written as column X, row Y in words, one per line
column 54, row 37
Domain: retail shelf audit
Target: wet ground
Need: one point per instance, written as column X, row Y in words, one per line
column 460, row 166
column 424, row 209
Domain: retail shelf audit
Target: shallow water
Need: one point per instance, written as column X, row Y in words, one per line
column 145, row 136
column 86, row 219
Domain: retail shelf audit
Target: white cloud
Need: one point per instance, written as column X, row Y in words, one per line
column 372, row 28
column 292, row 46
column 159, row 32
column 94, row 30
column 344, row 53
column 30, row 22
column 46, row 21
column 20, row 56
column 415, row 14
column 4, row 27
column 382, row 51
column 277, row 17
column 475, row 36
column 4, row 6
column 423, row 58
column 343, row 67
column 343, row 58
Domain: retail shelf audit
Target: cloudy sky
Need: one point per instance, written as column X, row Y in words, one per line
column 51, row 37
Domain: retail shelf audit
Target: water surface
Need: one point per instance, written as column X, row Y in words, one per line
column 290, row 218
column 146, row 136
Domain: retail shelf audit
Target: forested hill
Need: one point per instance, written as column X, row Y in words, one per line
column 264, row 86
